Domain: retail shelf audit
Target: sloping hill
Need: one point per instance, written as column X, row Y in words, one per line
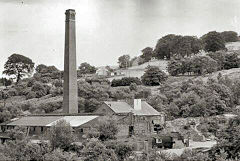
column 138, row 71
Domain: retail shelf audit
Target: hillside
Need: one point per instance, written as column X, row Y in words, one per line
column 138, row 71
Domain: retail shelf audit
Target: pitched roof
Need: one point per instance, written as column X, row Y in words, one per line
column 120, row 107
column 74, row 121
column 146, row 110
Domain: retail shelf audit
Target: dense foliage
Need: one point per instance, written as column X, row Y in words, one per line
column 153, row 76
column 125, row 81
column 196, row 65
column 124, row 61
column 147, row 54
column 229, row 36
column 199, row 65
column 176, row 45
column 213, row 41
column 86, row 68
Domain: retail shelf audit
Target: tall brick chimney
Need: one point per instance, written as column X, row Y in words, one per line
column 70, row 97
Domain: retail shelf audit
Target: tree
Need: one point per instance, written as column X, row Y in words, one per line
column 228, row 140
column 231, row 61
column 153, row 76
column 40, row 68
column 107, row 129
column 18, row 65
column 61, row 135
column 147, row 54
column 177, row 46
column 86, row 68
column 96, row 150
column 124, row 61
column 213, row 41
column 229, row 36
column 6, row 82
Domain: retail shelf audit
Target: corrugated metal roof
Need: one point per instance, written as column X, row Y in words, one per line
column 74, row 121
column 119, row 106
column 123, row 107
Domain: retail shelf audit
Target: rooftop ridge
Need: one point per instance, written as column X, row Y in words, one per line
column 63, row 114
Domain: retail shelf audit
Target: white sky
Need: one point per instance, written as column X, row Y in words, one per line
column 106, row 29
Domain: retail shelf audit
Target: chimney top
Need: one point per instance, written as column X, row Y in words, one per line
column 70, row 10
column 70, row 14
column 137, row 104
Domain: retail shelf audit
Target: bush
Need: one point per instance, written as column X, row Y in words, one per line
column 30, row 82
column 229, row 36
column 40, row 89
column 12, row 92
column 125, row 81
column 56, row 91
column 31, row 95
column 108, row 130
column 58, row 83
column 133, row 87
column 51, row 106
column 61, row 135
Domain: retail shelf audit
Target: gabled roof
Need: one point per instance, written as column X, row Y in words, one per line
column 74, row 121
column 120, row 107
column 146, row 110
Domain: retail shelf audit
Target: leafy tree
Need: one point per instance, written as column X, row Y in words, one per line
column 18, row 133
column 164, row 47
column 18, row 65
column 124, row 61
column 228, row 140
column 96, row 150
column 175, row 67
column 231, row 61
column 61, row 135
column 177, row 46
column 203, row 65
column 122, row 150
column 40, row 68
column 230, row 36
column 86, row 68
column 218, row 56
column 107, row 130
column 153, row 76
column 59, row 154
column 40, row 89
column 6, row 82
column 213, row 41
column 147, row 54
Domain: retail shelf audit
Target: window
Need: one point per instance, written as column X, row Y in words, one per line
column 41, row 129
column 81, row 130
column 34, row 128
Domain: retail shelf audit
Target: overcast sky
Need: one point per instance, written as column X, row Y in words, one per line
column 106, row 29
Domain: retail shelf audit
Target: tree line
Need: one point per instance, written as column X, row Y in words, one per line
column 172, row 46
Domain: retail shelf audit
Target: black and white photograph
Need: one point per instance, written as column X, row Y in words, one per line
column 120, row 80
